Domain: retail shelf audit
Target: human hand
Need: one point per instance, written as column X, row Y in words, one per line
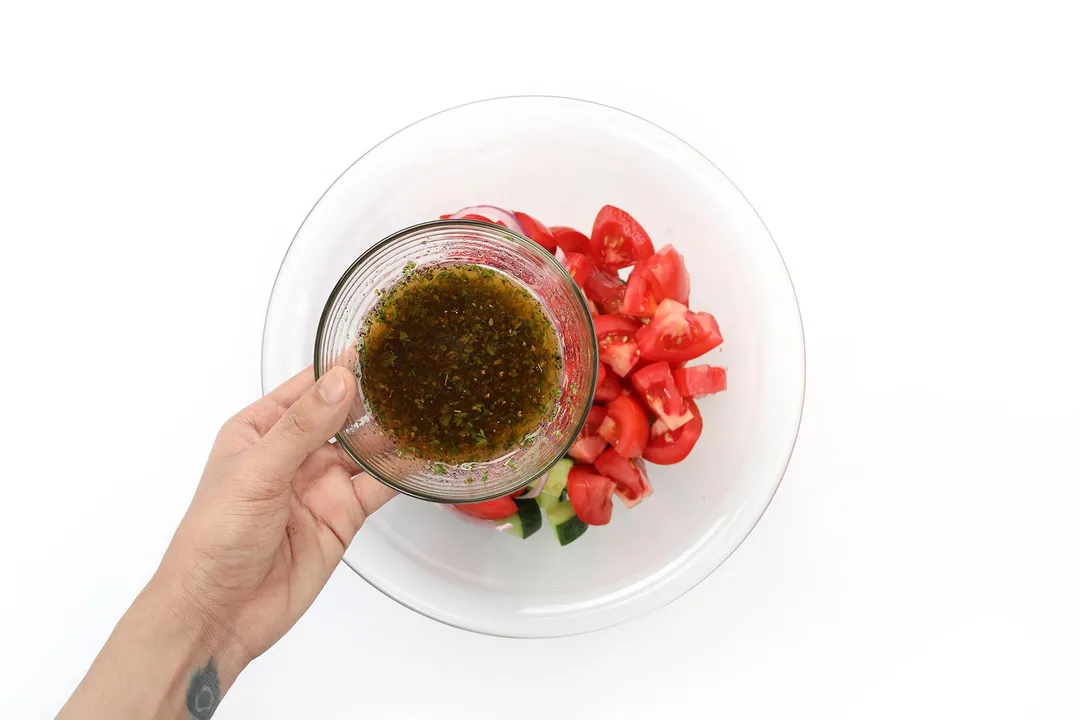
column 275, row 509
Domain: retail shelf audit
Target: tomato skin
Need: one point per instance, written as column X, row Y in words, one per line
column 640, row 298
column 570, row 240
column 608, row 387
column 606, row 289
column 626, row 426
column 578, row 266
column 656, row 387
column 667, row 275
column 631, row 482
column 667, row 447
column 536, row 231
column 615, row 339
column 496, row 509
column 589, row 444
column 676, row 335
column 700, row 380
column 590, row 494
column 618, row 240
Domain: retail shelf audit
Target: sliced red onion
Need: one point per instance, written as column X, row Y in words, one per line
column 560, row 256
column 494, row 214
column 536, row 490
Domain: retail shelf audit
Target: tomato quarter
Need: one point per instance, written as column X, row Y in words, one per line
column 618, row 240
column 615, row 338
column 590, row 494
column 626, row 426
column 570, row 240
column 677, row 335
column 656, row 386
column 667, row 447
column 536, row 231
column 700, row 380
column 631, row 482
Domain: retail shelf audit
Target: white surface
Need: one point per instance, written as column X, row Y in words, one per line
column 917, row 166
column 563, row 160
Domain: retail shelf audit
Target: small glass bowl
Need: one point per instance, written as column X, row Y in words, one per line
column 456, row 242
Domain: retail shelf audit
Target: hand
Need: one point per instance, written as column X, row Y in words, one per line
column 275, row 510
column 271, row 518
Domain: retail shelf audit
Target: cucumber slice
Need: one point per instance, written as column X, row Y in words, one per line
column 510, row 525
column 556, row 483
column 529, row 514
column 568, row 526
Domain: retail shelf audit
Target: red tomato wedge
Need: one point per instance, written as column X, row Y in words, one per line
column 570, row 240
column 667, row 447
column 606, row 289
column 631, row 482
column 590, row 495
column 589, row 444
column 578, row 266
column 608, row 386
column 618, row 240
column 677, row 335
column 496, row 509
column 640, row 298
column 615, row 338
column 700, row 380
column 626, row 426
column 667, row 274
column 656, row 386
column 536, row 231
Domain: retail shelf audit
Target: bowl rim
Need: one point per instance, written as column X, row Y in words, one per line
column 549, row 260
column 802, row 361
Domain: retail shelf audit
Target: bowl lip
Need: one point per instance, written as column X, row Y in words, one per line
column 798, row 316
column 549, row 260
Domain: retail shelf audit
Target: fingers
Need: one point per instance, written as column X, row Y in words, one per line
column 309, row 422
column 342, row 502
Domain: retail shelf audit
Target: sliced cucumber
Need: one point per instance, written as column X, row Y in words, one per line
column 568, row 526
column 525, row 522
column 556, row 483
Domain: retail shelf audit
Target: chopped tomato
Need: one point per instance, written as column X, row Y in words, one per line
column 593, row 310
column 675, row 334
column 700, row 380
column 578, row 266
column 606, row 289
column 615, row 338
column 496, row 509
column 626, row 426
column 590, row 495
column 631, row 482
column 589, row 444
column 570, row 240
column 656, row 386
column 607, row 385
column 536, row 231
column 666, row 446
column 618, row 240
column 640, row 299
column 667, row 274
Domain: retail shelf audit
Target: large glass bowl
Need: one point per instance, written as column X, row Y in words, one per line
column 439, row 244
column 561, row 160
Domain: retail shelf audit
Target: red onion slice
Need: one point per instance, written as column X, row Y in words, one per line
column 494, row 214
column 536, row 490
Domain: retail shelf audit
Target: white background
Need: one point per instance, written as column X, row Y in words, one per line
column 917, row 165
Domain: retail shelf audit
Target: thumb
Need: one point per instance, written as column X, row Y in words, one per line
column 309, row 422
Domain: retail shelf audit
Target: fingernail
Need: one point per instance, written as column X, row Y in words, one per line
column 332, row 388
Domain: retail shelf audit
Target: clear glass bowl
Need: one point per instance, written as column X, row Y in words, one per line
column 457, row 242
column 560, row 160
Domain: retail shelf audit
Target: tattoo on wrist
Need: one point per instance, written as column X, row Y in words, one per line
column 204, row 692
